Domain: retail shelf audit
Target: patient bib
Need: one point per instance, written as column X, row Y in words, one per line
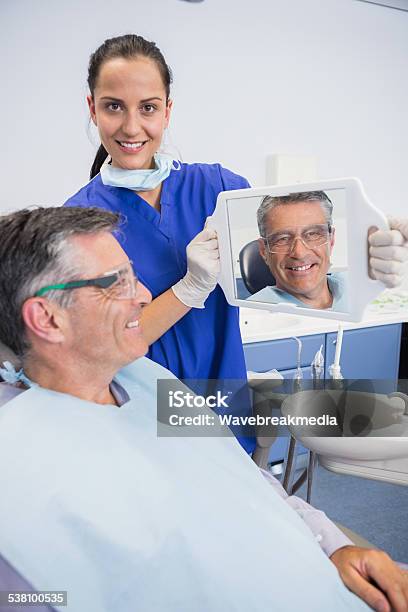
column 94, row 503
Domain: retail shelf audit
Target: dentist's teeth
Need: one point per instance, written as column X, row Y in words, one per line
column 133, row 324
column 302, row 268
column 132, row 145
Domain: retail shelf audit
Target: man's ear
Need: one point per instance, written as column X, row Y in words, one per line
column 262, row 249
column 44, row 319
column 332, row 239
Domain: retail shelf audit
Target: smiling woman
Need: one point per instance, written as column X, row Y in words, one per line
column 166, row 204
column 130, row 127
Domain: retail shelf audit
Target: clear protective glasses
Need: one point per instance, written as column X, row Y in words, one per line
column 120, row 284
column 312, row 236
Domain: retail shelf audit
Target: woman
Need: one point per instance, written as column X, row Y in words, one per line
column 166, row 206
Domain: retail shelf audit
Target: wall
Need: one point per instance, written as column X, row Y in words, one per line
column 318, row 77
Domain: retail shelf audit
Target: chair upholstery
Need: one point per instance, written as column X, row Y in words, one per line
column 7, row 392
column 6, row 354
column 254, row 271
column 10, row 581
column 355, row 538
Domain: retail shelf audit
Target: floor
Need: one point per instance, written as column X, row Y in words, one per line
column 377, row 511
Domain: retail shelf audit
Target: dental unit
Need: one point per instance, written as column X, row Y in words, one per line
column 317, row 366
column 334, row 369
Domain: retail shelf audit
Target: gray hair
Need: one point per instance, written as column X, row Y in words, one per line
column 270, row 202
column 36, row 250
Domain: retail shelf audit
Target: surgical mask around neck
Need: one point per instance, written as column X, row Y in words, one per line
column 139, row 180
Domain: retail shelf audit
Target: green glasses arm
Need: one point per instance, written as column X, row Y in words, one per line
column 61, row 286
column 104, row 282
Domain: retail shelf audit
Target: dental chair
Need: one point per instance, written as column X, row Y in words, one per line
column 11, row 581
column 7, row 354
column 254, row 271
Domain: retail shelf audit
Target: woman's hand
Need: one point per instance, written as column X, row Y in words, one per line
column 389, row 253
column 203, row 268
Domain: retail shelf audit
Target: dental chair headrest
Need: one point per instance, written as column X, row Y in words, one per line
column 7, row 391
column 6, row 354
column 254, row 271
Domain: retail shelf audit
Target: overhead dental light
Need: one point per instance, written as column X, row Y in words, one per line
column 401, row 5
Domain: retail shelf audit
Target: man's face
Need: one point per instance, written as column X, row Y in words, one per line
column 302, row 271
column 100, row 329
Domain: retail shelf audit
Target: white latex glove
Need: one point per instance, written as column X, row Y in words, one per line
column 203, row 268
column 389, row 253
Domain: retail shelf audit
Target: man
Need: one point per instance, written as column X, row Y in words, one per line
column 297, row 239
column 96, row 504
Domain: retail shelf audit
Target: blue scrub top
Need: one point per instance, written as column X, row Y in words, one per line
column 204, row 344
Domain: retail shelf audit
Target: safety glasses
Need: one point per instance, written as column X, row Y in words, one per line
column 312, row 236
column 118, row 284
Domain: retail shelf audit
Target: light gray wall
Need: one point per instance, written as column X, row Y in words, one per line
column 252, row 77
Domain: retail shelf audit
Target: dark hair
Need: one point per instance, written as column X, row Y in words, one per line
column 35, row 251
column 127, row 46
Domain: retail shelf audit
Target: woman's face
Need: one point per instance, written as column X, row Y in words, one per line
column 130, row 110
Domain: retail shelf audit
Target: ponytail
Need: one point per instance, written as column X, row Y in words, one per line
column 100, row 157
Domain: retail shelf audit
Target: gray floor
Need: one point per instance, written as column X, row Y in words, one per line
column 377, row 511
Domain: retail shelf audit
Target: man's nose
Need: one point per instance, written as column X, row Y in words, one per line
column 298, row 249
column 143, row 295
